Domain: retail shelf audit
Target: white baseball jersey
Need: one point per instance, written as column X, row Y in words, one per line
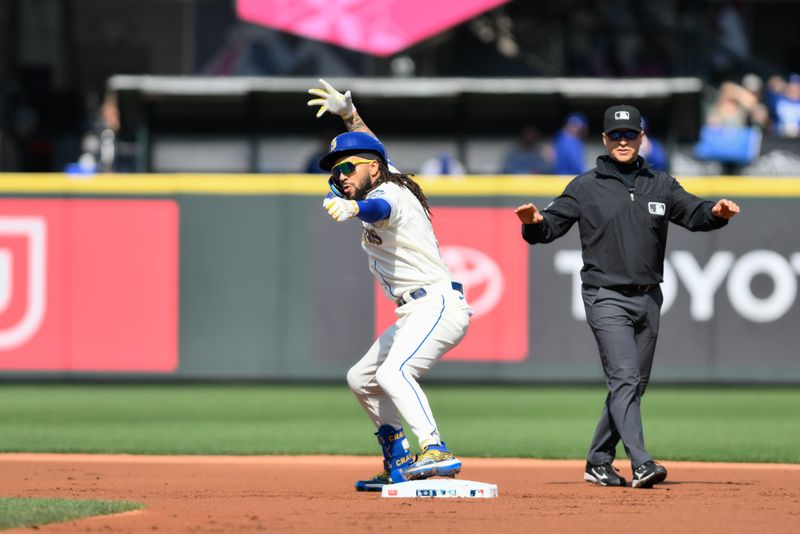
column 404, row 255
column 403, row 251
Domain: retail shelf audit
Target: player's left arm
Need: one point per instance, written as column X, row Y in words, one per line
column 332, row 101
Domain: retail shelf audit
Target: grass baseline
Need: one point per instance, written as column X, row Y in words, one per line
column 735, row 424
column 19, row 512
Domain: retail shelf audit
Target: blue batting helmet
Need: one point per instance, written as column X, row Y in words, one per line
column 352, row 143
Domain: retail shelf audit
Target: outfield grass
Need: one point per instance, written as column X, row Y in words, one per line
column 18, row 512
column 713, row 424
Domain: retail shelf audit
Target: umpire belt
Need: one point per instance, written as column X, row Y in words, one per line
column 633, row 288
column 419, row 293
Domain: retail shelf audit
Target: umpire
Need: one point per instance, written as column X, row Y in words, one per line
column 623, row 208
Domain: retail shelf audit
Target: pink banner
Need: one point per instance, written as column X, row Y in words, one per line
column 378, row 27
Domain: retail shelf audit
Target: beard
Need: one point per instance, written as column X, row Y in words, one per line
column 360, row 191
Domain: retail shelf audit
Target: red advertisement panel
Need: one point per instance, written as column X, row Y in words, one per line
column 89, row 285
column 484, row 251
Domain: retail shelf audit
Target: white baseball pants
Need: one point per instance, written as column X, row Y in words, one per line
column 385, row 379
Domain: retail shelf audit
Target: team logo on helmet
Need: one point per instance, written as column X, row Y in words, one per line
column 333, row 145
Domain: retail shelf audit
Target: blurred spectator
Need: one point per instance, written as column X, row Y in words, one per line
column 736, row 105
column 529, row 156
column 733, row 127
column 775, row 86
column 99, row 143
column 784, row 103
column 443, row 164
column 759, row 113
column 652, row 150
column 570, row 152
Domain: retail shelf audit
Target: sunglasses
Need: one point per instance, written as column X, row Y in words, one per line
column 629, row 135
column 348, row 167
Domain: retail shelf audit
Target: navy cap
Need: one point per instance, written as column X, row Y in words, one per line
column 622, row 118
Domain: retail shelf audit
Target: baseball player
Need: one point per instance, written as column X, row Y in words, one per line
column 623, row 208
column 432, row 313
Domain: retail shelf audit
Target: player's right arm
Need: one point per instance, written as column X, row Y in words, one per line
column 332, row 101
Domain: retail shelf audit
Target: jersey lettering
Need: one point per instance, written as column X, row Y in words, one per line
column 372, row 236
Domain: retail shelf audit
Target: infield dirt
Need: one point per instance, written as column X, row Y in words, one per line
column 221, row 494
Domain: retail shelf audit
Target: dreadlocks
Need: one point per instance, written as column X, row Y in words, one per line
column 403, row 180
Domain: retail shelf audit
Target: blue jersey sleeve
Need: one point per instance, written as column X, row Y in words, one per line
column 373, row 210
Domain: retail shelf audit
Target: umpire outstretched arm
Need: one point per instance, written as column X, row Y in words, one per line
column 552, row 222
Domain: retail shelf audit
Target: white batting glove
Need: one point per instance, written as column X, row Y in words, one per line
column 340, row 209
column 332, row 101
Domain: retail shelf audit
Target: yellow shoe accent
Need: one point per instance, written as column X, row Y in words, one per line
column 432, row 455
column 431, row 463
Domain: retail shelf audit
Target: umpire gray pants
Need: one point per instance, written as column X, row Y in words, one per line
column 625, row 326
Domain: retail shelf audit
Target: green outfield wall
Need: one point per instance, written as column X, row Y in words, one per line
column 237, row 277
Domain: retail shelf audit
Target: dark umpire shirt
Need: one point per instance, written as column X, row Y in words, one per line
column 623, row 215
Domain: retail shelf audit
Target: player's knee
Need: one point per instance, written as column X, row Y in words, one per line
column 356, row 380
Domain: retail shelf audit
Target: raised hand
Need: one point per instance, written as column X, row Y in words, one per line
column 332, row 101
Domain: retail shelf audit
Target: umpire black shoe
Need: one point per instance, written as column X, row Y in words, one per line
column 603, row 475
column 647, row 474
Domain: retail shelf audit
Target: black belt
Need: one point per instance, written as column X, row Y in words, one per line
column 419, row 293
column 633, row 288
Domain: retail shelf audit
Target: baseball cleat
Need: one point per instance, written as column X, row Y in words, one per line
column 603, row 475
column 375, row 483
column 648, row 474
column 434, row 461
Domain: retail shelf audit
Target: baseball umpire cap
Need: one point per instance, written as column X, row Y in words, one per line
column 350, row 143
column 622, row 117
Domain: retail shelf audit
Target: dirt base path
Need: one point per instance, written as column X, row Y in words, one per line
column 218, row 494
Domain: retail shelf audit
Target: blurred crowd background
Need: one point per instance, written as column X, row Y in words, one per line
column 189, row 86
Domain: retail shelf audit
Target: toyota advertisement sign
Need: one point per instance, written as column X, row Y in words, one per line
column 259, row 285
